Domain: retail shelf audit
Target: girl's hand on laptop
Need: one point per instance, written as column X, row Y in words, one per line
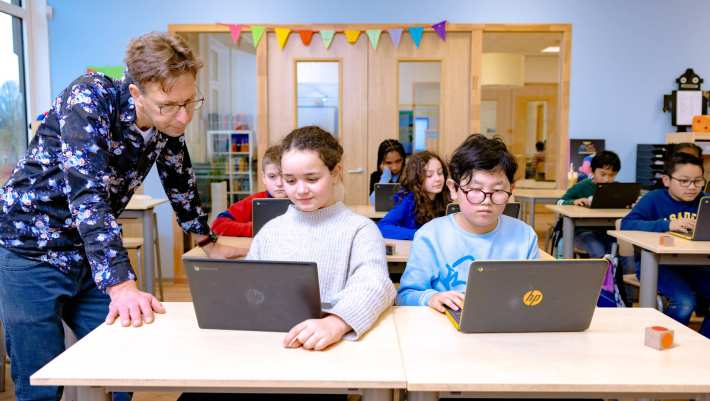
column 219, row 251
column 583, row 202
column 452, row 299
column 682, row 225
column 316, row 334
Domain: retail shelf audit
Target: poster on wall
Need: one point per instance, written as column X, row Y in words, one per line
column 581, row 153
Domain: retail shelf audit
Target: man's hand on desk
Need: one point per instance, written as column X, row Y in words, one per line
column 219, row 251
column 131, row 305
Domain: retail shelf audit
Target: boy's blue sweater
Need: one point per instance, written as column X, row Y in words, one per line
column 655, row 210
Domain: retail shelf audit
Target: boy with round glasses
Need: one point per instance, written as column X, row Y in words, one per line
column 482, row 171
column 674, row 208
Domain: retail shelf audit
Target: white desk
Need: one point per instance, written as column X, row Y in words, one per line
column 607, row 361
column 367, row 211
column 579, row 216
column 173, row 354
column 683, row 252
column 142, row 208
column 530, row 197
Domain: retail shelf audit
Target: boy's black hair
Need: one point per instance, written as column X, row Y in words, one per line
column 679, row 147
column 478, row 153
column 679, row 158
column 606, row 158
column 539, row 146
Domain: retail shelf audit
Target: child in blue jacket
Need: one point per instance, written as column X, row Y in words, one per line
column 674, row 208
column 423, row 197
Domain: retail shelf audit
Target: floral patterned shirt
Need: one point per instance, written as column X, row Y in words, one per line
column 81, row 168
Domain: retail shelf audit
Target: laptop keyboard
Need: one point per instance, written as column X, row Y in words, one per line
column 456, row 314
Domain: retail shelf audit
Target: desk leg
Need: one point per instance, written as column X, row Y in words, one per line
column 567, row 237
column 422, row 396
column 532, row 213
column 377, row 395
column 649, row 279
column 148, row 251
column 92, row 394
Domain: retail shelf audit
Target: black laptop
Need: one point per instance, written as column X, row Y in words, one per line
column 616, row 195
column 252, row 295
column 265, row 209
column 512, row 209
column 530, row 296
column 384, row 196
column 702, row 223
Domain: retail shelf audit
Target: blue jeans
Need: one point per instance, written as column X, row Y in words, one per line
column 596, row 243
column 34, row 299
column 682, row 285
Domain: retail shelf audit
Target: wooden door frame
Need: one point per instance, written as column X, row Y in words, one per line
column 476, row 31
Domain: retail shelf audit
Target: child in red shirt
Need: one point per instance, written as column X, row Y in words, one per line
column 236, row 221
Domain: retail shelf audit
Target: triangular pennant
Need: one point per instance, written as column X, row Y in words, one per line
column 374, row 35
column 306, row 37
column 282, row 36
column 395, row 35
column 235, row 30
column 256, row 33
column 416, row 32
column 352, row 36
column 327, row 36
column 440, row 28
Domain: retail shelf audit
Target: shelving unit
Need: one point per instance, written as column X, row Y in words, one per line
column 232, row 152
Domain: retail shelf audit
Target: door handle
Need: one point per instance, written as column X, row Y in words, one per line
column 358, row 170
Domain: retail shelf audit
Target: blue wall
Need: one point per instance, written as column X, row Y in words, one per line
column 625, row 53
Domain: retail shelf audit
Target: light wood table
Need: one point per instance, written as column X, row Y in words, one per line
column 173, row 354
column 141, row 207
column 532, row 184
column 609, row 360
column 367, row 211
column 528, row 198
column 682, row 253
column 579, row 216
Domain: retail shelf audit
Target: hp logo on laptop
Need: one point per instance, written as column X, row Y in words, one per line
column 254, row 296
column 532, row 297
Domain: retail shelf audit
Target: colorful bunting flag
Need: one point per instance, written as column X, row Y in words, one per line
column 352, row 36
column 327, row 36
column 306, row 37
column 256, row 33
column 396, row 36
column 235, row 30
column 440, row 28
column 374, row 35
column 416, row 32
column 282, row 36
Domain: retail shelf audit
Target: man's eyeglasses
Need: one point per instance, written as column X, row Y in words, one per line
column 476, row 196
column 685, row 183
column 172, row 109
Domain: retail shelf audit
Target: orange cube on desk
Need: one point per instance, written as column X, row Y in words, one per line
column 701, row 124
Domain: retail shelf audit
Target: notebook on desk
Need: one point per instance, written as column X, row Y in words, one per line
column 384, row 196
column 702, row 223
column 530, row 296
column 616, row 195
column 252, row 295
column 265, row 209
column 512, row 209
